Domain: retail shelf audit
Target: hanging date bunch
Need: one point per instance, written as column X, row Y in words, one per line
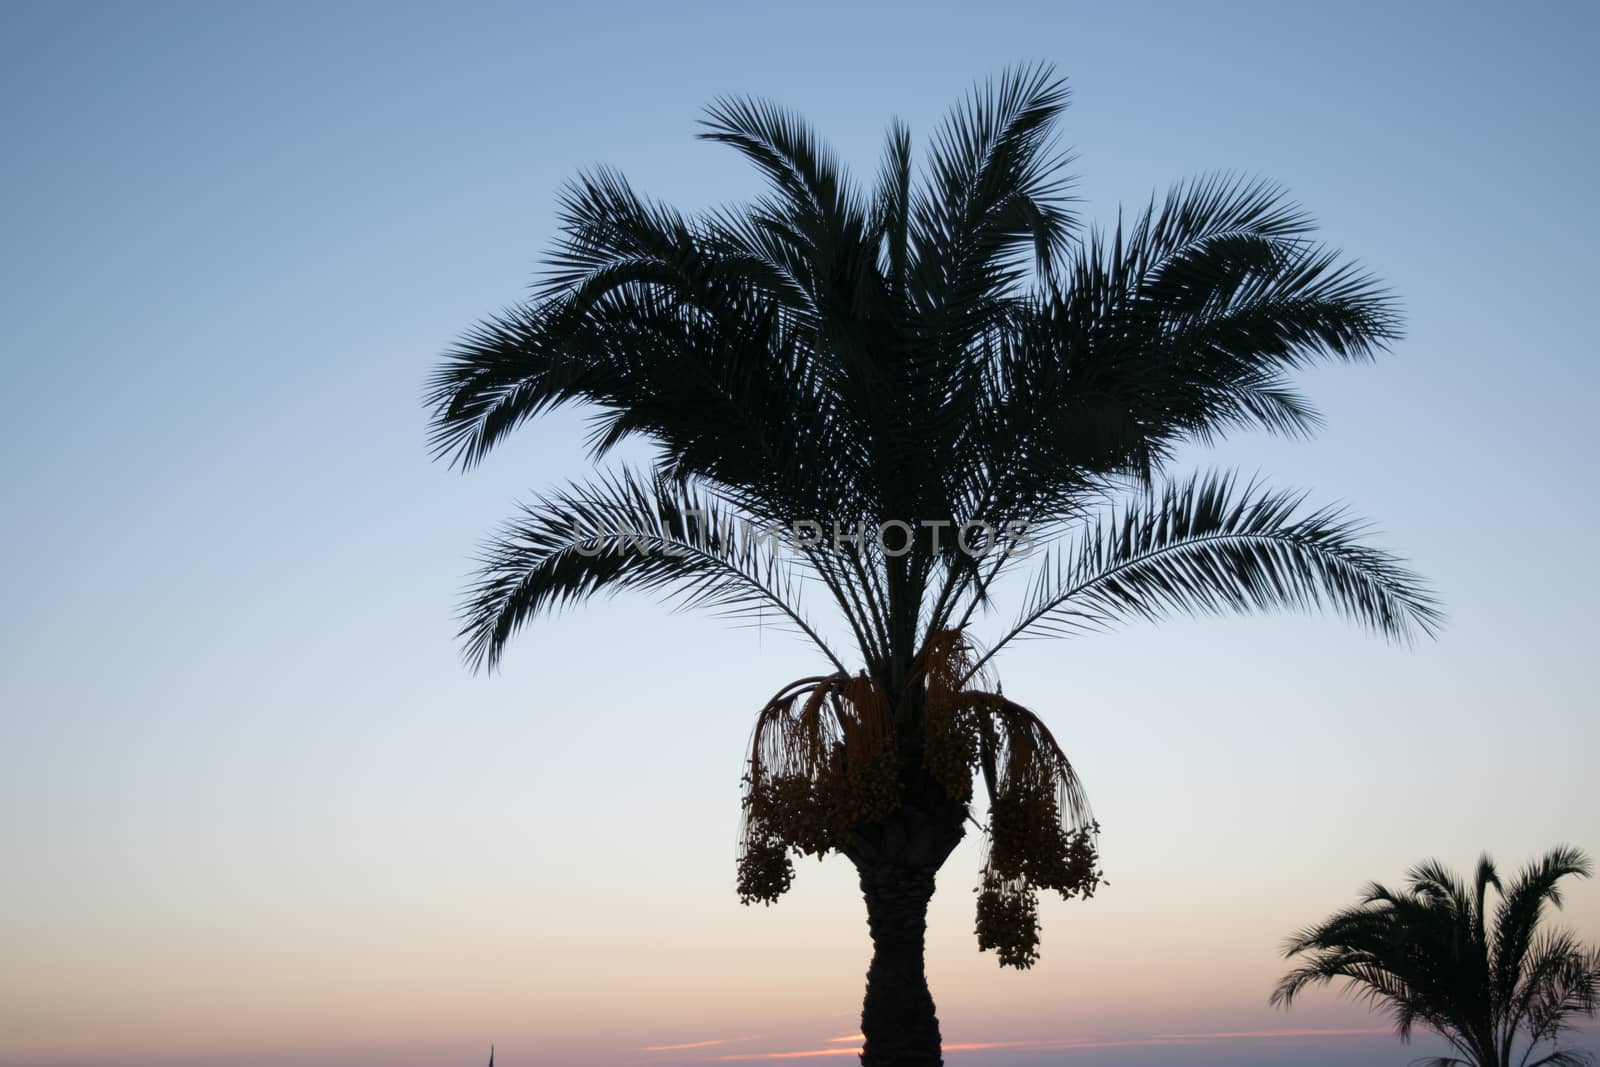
column 822, row 762
column 1040, row 832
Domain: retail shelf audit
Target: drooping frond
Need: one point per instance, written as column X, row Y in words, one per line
column 1523, row 905
column 610, row 235
column 1178, row 327
column 815, row 230
column 1224, row 272
column 785, row 149
column 623, row 532
column 631, row 285
column 1390, row 952
column 1560, row 982
column 1206, row 546
column 1565, row 1057
column 1483, row 880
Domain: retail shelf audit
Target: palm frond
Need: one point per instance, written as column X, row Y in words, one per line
column 892, row 209
column 1179, row 329
column 1560, row 981
column 1564, row 1057
column 624, row 532
column 995, row 198
column 996, row 181
column 785, row 148
column 1521, row 907
column 1205, row 546
column 507, row 369
column 609, row 234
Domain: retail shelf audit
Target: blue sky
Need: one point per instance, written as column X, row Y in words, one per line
column 251, row 801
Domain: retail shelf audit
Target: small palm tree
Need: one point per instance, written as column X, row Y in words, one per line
column 923, row 386
column 1502, row 994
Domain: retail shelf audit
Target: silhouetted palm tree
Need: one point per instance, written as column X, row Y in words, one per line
column 1501, row 994
column 950, row 368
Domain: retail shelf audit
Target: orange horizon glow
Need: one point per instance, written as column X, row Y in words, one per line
column 1150, row 1041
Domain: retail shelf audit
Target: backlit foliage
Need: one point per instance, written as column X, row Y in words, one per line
column 943, row 348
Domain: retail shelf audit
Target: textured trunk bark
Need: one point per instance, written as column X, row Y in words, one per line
column 897, row 1017
column 896, row 858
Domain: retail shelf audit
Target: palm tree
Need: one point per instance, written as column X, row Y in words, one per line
column 892, row 399
column 1501, row 996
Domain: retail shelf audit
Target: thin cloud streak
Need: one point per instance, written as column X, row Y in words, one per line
column 803, row 1054
column 1346, row 1032
column 680, row 1048
column 1152, row 1041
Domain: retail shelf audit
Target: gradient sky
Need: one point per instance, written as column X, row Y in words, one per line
column 253, row 810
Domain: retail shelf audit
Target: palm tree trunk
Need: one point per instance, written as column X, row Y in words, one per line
column 897, row 1017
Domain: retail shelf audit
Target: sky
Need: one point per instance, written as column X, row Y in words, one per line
column 253, row 808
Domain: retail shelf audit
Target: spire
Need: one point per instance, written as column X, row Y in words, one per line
column 491, row 1056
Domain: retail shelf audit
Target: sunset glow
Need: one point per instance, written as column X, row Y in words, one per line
column 1152, row 1041
column 258, row 809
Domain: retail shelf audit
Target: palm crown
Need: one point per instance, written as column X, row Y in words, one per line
column 952, row 362
column 1502, row 992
